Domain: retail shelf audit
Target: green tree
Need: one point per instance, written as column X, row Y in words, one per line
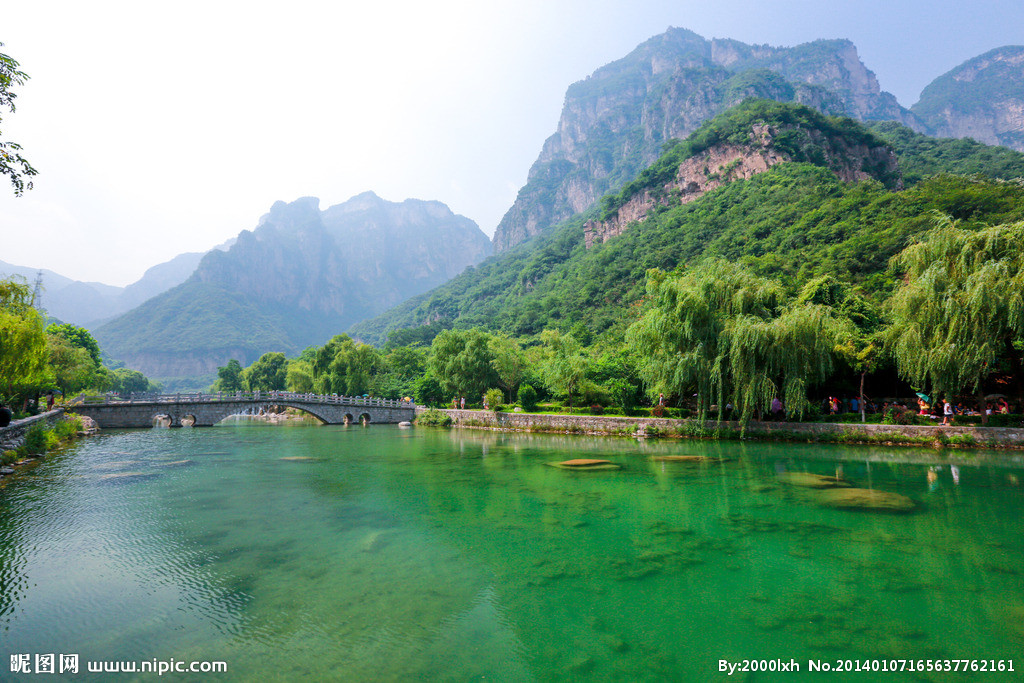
column 72, row 367
column 229, row 377
column 23, row 349
column 461, row 360
column 127, row 381
column 79, row 337
column 509, row 363
column 730, row 335
column 566, row 367
column 428, row 391
column 958, row 315
column 341, row 366
column 12, row 164
column 300, row 377
column 268, row 373
column 527, row 397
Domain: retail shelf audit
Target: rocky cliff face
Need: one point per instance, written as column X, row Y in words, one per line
column 301, row 276
column 724, row 163
column 983, row 98
column 614, row 123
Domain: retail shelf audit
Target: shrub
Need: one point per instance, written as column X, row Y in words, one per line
column 658, row 411
column 39, row 439
column 434, row 418
column 596, row 410
column 527, row 397
column 8, row 457
column 68, row 427
column 493, row 398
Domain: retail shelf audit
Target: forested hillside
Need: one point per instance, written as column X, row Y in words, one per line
column 795, row 221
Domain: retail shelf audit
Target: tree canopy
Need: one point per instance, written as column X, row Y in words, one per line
column 12, row 164
column 958, row 315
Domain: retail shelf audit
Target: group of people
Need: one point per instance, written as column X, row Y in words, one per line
column 946, row 410
column 458, row 403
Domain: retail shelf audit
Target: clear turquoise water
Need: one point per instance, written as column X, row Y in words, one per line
column 398, row 555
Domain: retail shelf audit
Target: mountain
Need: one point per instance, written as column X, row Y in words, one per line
column 614, row 123
column 301, row 276
column 89, row 304
column 792, row 193
column 983, row 98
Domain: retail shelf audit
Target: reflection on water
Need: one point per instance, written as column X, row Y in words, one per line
column 384, row 554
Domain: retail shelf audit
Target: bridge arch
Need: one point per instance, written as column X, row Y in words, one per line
column 364, row 419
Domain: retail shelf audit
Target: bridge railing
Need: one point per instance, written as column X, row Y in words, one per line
column 247, row 396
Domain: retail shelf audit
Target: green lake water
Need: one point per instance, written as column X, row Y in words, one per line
column 385, row 554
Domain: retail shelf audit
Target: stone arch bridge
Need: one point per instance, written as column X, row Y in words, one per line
column 205, row 410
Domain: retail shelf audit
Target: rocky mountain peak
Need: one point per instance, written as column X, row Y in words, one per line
column 615, row 122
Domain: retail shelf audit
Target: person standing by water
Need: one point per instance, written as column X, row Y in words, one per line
column 947, row 412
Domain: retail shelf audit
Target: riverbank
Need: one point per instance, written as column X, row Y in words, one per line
column 967, row 436
column 29, row 439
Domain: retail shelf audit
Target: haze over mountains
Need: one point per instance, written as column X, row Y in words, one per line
column 300, row 277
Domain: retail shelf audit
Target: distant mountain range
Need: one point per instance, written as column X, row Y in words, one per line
column 300, row 277
column 91, row 303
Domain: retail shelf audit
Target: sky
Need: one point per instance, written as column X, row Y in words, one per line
column 159, row 128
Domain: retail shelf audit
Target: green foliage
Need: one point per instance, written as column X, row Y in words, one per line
column 24, row 354
column 433, row 418
column 733, row 336
column 344, row 367
column 229, row 377
column 125, row 381
column 960, row 308
column 461, row 360
column 494, row 398
column 78, row 337
column 39, row 439
column 268, row 373
column 565, row 367
column 527, row 397
column 509, row 362
column 922, row 156
column 428, row 391
column 12, row 164
column 71, row 367
column 300, row 377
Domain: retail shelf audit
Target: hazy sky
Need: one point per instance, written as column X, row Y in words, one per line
column 159, row 128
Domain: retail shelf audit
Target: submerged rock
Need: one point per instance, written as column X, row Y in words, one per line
column 405, row 424
column 811, row 481
column 119, row 477
column 299, row 458
column 175, row 463
column 586, row 464
column 866, row 499
column 688, row 458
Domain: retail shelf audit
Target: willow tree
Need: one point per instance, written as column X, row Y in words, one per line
column 23, row 350
column 959, row 311
column 732, row 336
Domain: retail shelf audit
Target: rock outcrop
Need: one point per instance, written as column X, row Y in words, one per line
column 723, row 163
column 983, row 98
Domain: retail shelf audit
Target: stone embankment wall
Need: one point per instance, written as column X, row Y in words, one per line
column 638, row 426
column 13, row 434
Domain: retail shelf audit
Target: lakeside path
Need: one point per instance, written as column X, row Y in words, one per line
column 966, row 436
